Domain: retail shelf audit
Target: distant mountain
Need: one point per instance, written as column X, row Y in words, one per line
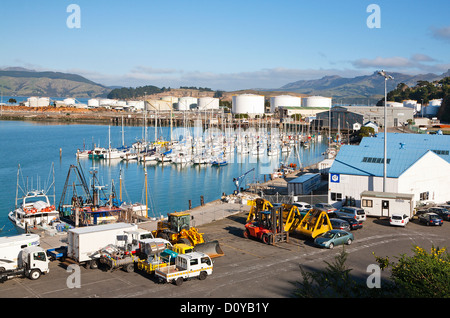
column 358, row 89
column 17, row 81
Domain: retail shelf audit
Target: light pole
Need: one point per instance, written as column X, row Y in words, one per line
column 386, row 77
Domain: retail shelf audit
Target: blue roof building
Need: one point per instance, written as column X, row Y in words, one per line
column 414, row 163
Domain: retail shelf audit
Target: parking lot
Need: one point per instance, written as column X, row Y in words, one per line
column 249, row 269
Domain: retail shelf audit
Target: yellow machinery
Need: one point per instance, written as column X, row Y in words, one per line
column 311, row 224
column 177, row 229
column 257, row 205
column 314, row 223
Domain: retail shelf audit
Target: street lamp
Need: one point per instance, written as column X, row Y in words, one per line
column 386, row 78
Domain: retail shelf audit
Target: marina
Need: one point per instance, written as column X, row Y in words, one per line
column 170, row 186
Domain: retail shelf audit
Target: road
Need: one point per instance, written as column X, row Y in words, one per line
column 249, row 269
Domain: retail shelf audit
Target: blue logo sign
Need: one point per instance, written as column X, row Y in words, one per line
column 334, row 177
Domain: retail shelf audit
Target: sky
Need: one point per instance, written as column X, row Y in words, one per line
column 226, row 45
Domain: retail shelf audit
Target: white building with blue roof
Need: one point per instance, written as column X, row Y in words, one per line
column 417, row 164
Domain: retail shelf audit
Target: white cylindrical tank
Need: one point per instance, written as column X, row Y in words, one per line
column 93, row 102
column 106, row 102
column 69, row 101
column 208, row 103
column 33, row 101
column 394, row 104
column 158, row 104
column 435, row 102
column 284, row 100
column 187, row 103
column 248, row 104
column 38, row 101
column 316, row 101
column 121, row 103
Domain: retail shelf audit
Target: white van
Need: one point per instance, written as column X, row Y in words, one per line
column 353, row 212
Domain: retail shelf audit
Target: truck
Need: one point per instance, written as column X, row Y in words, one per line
column 21, row 255
column 85, row 243
column 187, row 266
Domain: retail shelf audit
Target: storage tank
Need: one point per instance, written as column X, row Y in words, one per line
column 435, row 102
column 284, row 100
column 158, row 104
column 93, row 102
column 394, row 104
column 316, row 101
column 187, row 103
column 173, row 100
column 69, row 101
column 38, row 101
column 411, row 104
column 208, row 103
column 248, row 104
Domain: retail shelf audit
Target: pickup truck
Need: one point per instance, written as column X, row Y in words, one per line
column 187, row 266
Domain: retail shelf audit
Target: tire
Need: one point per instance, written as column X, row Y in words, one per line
column 331, row 246
column 246, row 234
column 349, row 241
column 265, row 238
column 129, row 268
column 93, row 264
column 202, row 275
column 179, row 281
column 34, row 274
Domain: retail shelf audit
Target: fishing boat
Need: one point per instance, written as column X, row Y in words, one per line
column 87, row 204
column 35, row 209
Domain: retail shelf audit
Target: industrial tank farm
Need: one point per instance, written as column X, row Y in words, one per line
column 248, row 104
column 284, row 100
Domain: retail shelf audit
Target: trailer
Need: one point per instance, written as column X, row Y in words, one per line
column 383, row 204
column 113, row 258
column 304, row 184
column 84, row 244
column 187, row 266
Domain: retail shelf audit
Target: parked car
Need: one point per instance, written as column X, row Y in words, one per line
column 430, row 219
column 303, row 206
column 354, row 224
column 398, row 219
column 325, row 206
column 340, row 224
column 353, row 212
column 334, row 237
column 442, row 212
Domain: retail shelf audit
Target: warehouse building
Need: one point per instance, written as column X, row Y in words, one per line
column 417, row 164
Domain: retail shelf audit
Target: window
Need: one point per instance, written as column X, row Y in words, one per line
column 194, row 261
column 367, row 203
column 375, row 160
column 424, row 196
column 441, row 152
column 336, row 196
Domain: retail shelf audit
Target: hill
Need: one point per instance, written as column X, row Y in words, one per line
column 357, row 89
column 24, row 82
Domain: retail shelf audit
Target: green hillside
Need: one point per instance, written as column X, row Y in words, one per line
column 54, row 84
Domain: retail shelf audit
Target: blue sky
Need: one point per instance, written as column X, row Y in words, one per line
column 224, row 44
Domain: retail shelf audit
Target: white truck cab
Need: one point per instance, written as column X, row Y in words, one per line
column 194, row 264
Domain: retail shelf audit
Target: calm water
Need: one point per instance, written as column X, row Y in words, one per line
column 35, row 146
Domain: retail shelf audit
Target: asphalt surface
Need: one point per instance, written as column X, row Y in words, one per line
column 248, row 270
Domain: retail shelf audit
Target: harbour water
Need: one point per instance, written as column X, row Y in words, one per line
column 36, row 146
